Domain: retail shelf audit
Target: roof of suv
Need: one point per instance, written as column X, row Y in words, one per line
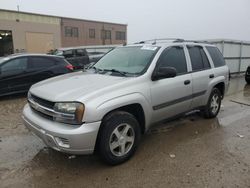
column 169, row 42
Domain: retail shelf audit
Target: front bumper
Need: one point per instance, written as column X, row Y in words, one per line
column 73, row 139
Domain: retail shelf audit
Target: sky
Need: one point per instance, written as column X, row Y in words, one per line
column 188, row 19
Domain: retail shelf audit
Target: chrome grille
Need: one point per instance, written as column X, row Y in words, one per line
column 43, row 102
column 46, row 108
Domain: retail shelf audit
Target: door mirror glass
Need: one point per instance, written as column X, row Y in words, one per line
column 164, row 72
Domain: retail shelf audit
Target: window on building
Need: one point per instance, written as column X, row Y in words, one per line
column 173, row 57
column 71, row 31
column 120, row 35
column 67, row 31
column 92, row 33
column 216, row 56
column 75, row 31
column 106, row 34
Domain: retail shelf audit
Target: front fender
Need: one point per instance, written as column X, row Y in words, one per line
column 97, row 113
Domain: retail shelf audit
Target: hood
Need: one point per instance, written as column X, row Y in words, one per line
column 70, row 87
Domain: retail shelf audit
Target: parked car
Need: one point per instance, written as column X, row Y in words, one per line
column 247, row 75
column 108, row 107
column 95, row 53
column 19, row 71
column 78, row 57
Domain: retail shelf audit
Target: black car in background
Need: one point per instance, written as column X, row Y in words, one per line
column 82, row 56
column 247, row 75
column 19, row 72
column 78, row 57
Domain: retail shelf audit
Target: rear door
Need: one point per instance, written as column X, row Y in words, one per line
column 201, row 74
column 14, row 75
column 172, row 96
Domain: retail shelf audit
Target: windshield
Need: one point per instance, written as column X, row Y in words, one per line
column 58, row 52
column 129, row 60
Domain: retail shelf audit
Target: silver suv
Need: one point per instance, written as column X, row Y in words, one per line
column 109, row 106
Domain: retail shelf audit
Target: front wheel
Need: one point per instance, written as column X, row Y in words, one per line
column 119, row 137
column 213, row 105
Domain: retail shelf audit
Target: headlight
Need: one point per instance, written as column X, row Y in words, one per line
column 67, row 112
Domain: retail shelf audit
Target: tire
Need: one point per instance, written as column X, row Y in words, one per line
column 213, row 105
column 247, row 80
column 119, row 137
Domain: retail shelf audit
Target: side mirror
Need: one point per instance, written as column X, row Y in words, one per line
column 164, row 72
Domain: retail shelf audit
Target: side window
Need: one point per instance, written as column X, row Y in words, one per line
column 68, row 54
column 216, row 56
column 80, row 52
column 15, row 65
column 198, row 58
column 61, row 61
column 173, row 57
column 41, row 62
column 205, row 59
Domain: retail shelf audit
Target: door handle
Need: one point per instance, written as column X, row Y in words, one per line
column 186, row 82
column 211, row 76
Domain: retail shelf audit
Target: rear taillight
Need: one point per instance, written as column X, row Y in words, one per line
column 70, row 67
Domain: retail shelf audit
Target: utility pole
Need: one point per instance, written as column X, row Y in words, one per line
column 18, row 8
column 103, row 34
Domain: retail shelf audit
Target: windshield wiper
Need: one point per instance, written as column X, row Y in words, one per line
column 96, row 69
column 116, row 71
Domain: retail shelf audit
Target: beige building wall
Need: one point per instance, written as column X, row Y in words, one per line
column 37, row 33
column 22, row 25
column 83, row 32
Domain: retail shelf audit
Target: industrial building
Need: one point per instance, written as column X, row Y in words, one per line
column 36, row 33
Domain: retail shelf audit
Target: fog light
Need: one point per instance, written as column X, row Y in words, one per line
column 63, row 142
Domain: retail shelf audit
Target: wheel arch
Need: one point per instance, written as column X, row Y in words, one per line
column 135, row 109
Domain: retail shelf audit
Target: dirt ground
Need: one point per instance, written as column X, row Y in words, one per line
column 188, row 152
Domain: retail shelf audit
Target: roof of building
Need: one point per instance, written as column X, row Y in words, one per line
column 30, row 13
column 231, row 41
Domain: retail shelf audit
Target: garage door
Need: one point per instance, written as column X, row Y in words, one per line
column 39, row 42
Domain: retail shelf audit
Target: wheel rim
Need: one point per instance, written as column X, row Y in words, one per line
column 121, row 140
column 215, row 103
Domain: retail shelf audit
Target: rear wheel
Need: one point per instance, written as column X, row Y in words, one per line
column 119, row 137
column 213, row 105
column 247, row 79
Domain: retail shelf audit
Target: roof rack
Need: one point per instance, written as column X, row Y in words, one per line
column 164, row 40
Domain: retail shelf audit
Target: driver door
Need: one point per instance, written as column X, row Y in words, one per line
column 171, row 96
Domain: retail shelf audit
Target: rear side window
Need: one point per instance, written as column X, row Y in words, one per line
column 68, row 53
column 198, row 58
column 174, row 57
column 216, row 56
column 61, row 61
column 80, row 52
column 41, row 62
